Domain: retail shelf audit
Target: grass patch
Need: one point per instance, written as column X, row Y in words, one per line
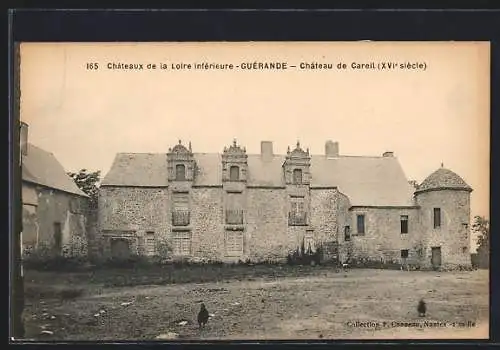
column 35, row 291
column 166, row 274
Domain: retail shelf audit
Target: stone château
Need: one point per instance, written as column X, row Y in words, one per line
column 237, row 206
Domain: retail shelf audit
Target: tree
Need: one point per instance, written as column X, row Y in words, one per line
column 88, row 182
column 481, row 226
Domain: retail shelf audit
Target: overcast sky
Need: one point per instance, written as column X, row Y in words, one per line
column 425, row 117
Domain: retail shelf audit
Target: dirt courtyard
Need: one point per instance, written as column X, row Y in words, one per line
column 319, row 304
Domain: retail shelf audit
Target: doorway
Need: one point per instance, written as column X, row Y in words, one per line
column 436, row 257
column 57, row 238
column 120, row 249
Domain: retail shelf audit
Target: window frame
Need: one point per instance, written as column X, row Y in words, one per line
column 234, row 238
column 177, row 177
column 150, row 236
column 437, row 218
column 347, row 233
column 407, row 253
column 295, row 177
column 404, row 229
column 363, row 225
column 237, row 172
column 178, row 237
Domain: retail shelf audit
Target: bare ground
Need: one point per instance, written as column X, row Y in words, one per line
column 316, row 304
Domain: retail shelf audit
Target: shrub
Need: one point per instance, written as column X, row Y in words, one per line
column 56, row 263
column 301, row 256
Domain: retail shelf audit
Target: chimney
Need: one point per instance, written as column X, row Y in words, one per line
column 24, row 138
column 331, row 149
column 266, row 149
column 388, row 154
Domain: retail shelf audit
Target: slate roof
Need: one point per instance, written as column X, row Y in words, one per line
column 443, row 179
column 42, row 168
column 367, row 181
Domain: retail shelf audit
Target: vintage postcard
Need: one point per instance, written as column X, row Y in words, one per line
column 254, row 191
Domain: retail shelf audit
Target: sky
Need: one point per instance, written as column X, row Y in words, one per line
column 429, row 116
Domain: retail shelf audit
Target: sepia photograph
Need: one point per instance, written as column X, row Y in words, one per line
column 255, row 190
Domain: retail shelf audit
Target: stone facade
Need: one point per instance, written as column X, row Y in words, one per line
column 57, row 219
column 452, row 237
column 235, row 206
column 55, row 224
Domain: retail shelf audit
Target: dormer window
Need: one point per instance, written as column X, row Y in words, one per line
column 234, row 173
column 297, row 176
column 296, row 166
column 181, row 163
column 234, row 164
column 180, row 172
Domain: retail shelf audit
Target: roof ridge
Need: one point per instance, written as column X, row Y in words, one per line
column 258, row 154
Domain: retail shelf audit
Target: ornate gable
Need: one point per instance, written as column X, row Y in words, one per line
column 234, row 163
column 181, row 165
column 297, row 166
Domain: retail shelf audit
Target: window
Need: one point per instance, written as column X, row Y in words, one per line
column 404, row 254
column 361, row 224
column 234, row 243
column 234, row 216
column 404, row 224
column 150, row 243
column 297, row 176
column 297, row 215
column 234, row 173
column 181, row 243
column 57, row 237
column 234, row 211
column 347, row 233
column 180, row 210
column 437, row 217
column 120, row 248
column 180, row 172
column 465, row 226
column 464, row 250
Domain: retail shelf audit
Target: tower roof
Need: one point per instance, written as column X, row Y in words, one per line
column 443, row 179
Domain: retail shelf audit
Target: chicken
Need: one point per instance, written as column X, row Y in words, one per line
column 421, row 308
column 203, row 316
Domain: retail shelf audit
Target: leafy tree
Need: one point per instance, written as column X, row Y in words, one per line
column 88, row 182
column 481, row 226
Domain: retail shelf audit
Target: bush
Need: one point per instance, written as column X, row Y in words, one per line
column 56, row 263
column 301, row 256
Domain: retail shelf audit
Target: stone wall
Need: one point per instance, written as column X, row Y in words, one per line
column 266, row 225
column 383, row 239
column 39, row 221
column 326, row 220
column 125, row 211
column 266, row 234
column 344, row 218
column 453, row 237
column 207, row 215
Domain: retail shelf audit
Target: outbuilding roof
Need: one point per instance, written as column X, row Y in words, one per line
column 42, row 168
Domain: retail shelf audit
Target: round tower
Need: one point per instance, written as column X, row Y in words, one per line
column 444, row 201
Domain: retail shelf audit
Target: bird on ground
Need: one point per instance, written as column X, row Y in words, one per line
column 421, row 308
column 203, row 316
